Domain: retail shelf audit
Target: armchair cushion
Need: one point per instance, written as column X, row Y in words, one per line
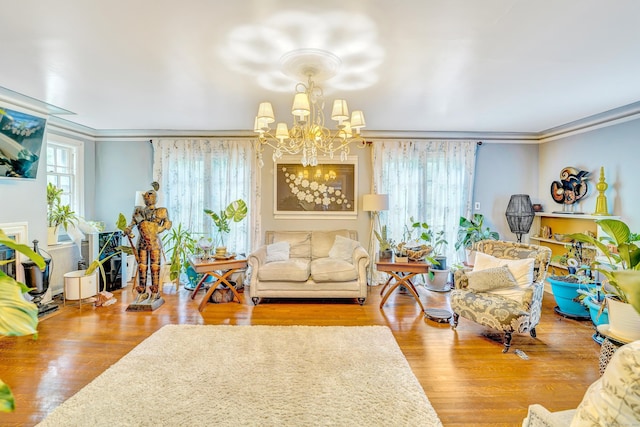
column 343, row 248
column 278, row 251
column 490, row 279
column 522, row 269
column 614, row 399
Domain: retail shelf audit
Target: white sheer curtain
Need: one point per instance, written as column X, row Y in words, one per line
column 198, row 174
column 431, row 181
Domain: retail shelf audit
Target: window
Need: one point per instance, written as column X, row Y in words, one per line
column 65, row 171
column 431, row 181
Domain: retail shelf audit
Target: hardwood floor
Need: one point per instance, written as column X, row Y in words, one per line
column 467, row 378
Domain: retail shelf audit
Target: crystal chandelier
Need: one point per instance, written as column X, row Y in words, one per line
column 309, row 135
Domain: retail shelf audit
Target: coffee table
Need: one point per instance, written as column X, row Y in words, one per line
column 221, row 270
column 402, row 272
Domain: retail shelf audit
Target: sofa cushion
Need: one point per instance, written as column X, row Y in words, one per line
column 343, row 248
column 614, row 399
column 332, row 270
column 522, row 269
column 299, row 242
column 322, row 242
column 278, row 251
column 292, row 270
column 490, row 279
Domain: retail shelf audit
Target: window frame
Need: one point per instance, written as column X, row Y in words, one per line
column 77, row 148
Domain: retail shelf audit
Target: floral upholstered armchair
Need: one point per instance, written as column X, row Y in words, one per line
column 504, row 289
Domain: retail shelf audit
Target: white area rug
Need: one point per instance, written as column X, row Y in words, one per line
column 187, row 375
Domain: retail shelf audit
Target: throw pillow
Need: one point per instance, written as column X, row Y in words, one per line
column 614, row 399
column 278, row 252
column 491, row 278
column 343, row 248
column 522, row 269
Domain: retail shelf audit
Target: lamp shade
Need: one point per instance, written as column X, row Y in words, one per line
column 340, row 111
column 520, row 214
column 301, row 107
column 375, row 202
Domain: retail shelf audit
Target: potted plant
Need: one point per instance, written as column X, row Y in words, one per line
column 618, row 246
column 178, row 244
column 81, row 284
column 569, row 290
column 471, row 231
column 236, row 211
column 439, row 274
column 57, row 213
column 19, row 316
column 385, row 250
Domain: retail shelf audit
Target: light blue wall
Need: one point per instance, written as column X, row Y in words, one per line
column 122, row 168
column 503, row 170
column 617, row 148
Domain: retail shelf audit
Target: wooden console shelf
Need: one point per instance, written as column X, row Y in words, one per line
column 561, row 223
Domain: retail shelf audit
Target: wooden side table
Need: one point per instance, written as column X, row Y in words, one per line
column 402, row 272
column 221, row 270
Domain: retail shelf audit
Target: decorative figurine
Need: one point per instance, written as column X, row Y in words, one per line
column 571, row 188
column 150, row 221
column 601, row 200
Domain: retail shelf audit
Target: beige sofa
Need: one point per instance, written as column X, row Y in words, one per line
column 318, row 264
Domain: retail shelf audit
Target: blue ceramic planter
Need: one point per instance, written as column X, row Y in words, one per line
column 594, row 309
column 565, row 294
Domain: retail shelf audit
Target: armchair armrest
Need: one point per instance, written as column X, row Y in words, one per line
column 460, row 279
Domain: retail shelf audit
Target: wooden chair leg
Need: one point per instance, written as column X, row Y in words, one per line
column 507, row 341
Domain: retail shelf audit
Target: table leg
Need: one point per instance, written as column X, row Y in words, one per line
column 222, row 280
column 406, row 282
column 197, row 288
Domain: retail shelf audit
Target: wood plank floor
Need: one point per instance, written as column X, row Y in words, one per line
column 467, row 378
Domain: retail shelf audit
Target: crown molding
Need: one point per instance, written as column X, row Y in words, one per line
column 597, row 121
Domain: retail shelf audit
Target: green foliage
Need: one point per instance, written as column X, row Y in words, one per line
column 618, row 245
column 180, row 244
column 383, row 239
column 471, row 231
column 629, row 283
column 434, row 239
column 58, row 214
column 17, row 316
column 236, row 211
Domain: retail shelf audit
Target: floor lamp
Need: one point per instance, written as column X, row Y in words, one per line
column 374, row 204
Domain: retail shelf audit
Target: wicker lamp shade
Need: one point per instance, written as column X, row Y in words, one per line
column 520, row 214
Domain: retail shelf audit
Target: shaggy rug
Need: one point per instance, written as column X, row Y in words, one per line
column 188, row 375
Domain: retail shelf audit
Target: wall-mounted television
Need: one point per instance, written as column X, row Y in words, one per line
column 21, row 138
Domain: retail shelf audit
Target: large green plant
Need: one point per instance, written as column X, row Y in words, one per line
column 236, row 211
column 471, row 231
column 17, row 316
column 618, row 245
column 180, row 244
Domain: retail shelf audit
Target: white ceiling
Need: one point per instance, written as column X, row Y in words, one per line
column 411, row 65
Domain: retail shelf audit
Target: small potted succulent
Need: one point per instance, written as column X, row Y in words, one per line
column 385, row 250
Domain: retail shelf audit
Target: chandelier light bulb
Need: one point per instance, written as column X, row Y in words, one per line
column 308, row 134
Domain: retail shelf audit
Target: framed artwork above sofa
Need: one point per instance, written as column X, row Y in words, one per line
column 326, row 191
